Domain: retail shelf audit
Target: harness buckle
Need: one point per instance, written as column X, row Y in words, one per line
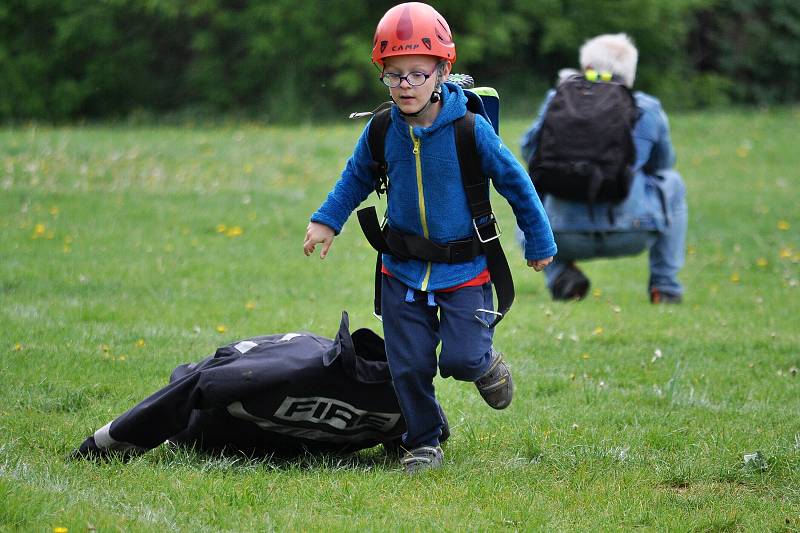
column 492, row 221
column 485, row 323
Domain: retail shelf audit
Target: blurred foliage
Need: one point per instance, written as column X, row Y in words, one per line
column 290, row 60
column 755, row 44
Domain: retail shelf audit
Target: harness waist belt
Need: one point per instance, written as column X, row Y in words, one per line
column 415, row 246
column 403, row 246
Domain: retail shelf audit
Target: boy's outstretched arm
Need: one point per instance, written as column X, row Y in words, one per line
column 539, row 264
column 317, row 233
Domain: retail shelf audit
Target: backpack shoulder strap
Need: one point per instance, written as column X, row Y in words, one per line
column 368, row 218
column 476, row 188
column 376, row 139
column 475, row 185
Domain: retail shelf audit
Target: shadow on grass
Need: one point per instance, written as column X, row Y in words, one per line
column 379, row 457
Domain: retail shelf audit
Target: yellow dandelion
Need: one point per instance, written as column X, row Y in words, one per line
column 222, row 228
column 691, row 249
column 250, row 306
column 54, row 211
column 598, row 330
column 762, row 262
column 221, row 329
column 585, row 356
column 39, row 230
column 597, row 293
column 60, row 529
column 234, row 231
column 17, row 347
column 783, row 225
column 785, row 253
column 735, row 278
column 248, row 169
column 121, row 357
column 140, row 343
column 742, row 151
column 67, row 249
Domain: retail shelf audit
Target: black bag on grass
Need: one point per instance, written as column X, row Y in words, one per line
column 275, row 394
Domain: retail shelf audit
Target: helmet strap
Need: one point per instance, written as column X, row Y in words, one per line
column 436, row 96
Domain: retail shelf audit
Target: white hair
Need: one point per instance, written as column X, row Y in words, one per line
column 613, row 53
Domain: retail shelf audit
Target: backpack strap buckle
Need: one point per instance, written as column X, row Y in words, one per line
column 491, row 222
column 489, row 324
column 380, row 173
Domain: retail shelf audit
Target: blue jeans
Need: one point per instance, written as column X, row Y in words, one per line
column 413, row 324
column 667, row 246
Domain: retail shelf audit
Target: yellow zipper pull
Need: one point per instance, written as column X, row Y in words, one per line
column 414, row 140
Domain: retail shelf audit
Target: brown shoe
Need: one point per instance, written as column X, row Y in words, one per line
column 659, row 297
column 495, row 385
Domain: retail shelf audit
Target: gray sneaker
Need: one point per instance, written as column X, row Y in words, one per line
column 495, row 384
column 422, row 458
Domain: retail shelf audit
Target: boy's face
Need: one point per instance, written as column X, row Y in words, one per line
column 411, row 99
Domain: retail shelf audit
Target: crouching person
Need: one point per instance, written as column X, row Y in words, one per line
column 581, row 137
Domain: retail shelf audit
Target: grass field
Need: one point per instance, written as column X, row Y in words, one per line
column 127, row 251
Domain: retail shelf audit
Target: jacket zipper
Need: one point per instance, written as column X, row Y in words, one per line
column 421, row 196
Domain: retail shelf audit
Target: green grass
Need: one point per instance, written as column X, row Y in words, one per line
column 115, row 267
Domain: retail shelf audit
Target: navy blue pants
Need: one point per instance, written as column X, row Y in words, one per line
column 414, row 322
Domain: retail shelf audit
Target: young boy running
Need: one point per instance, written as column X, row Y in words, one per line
column 424, row 302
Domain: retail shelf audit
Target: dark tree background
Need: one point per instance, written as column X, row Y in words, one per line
column 292, row 60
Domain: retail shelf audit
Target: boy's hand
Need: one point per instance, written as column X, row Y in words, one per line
column 317, row 233
column 539, row 264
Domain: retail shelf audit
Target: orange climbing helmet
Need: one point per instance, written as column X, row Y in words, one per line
column 413, row 28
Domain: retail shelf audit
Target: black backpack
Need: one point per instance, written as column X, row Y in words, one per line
column 585, row 151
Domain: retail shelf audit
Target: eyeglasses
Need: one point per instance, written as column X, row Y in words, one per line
column 415, row 79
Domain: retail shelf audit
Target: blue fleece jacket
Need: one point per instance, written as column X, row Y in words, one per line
column 426, row 196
